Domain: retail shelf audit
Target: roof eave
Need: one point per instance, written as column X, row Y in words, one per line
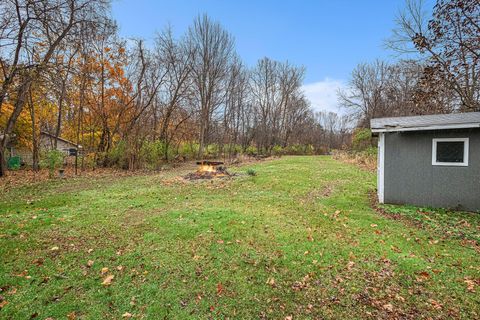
column 425, row 128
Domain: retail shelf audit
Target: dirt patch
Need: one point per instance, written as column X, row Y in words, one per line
column 317, row 194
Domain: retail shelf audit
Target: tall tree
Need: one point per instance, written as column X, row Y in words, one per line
column 213, row 49
column 449, row 41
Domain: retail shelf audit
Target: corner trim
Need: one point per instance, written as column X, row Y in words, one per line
column 381, row 168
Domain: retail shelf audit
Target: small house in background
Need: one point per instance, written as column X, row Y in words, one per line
column 46, row 142
column 431, row 160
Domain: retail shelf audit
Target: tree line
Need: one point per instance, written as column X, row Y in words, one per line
column 65, row 70
column 439, row 69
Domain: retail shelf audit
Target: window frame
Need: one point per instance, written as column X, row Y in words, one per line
column 455, row 164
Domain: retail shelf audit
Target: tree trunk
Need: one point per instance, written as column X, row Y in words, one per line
column 59, row 118
column 35, row 157
column 18, row 107
column 3, row 163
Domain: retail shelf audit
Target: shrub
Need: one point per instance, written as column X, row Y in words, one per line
column 251, row 151
column 188, row 150
column 52, row 159
column 117, row 156
column 362, row 139
column 152, row 153
column 251, row 172
column 277, row 150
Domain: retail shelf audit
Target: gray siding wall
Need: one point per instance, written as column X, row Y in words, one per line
column 410, row 177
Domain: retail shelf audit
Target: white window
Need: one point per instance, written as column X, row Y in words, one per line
column 450, row 152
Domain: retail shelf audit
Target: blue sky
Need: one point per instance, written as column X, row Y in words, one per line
column 328, row 37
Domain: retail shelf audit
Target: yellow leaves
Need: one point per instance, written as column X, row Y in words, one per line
column 90, row 263
column 127, row 315
column 104, row 270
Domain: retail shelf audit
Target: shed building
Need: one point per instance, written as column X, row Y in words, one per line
column 431, row 160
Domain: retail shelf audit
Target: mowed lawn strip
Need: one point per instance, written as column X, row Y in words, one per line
column 298, row 239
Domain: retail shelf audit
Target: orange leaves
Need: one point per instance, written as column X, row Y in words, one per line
column 422, row 276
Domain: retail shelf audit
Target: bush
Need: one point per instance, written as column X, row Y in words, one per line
column 188, row 150
column 277, row 150
column 251, row 172
column 362, row 139
column 52, row 159
column 251, row 151
column 152, row 153
column 117, row 156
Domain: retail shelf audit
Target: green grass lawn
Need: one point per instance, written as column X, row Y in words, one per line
column 297, row 240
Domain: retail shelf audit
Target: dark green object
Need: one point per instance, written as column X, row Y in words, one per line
column 14, row 163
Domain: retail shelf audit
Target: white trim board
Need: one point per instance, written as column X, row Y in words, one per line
column 434, row 127
column 454, row 164
column 381, row 168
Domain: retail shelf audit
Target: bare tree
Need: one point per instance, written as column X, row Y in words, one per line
column 175, row 59
column 450, row 44
column 213, row 49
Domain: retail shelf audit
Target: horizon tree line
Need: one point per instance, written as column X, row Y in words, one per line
column 65, row 70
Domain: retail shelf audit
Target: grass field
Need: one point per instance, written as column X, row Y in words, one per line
column 299, row 240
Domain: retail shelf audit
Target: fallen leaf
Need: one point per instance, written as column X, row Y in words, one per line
column 373, row 225
column 38, row 262
column 127, row 315
column 470, row 284
column 396, row 249
column 350, row 265
column 271, row 281
column 54, row 249
column 435, row 304
column 133, row 301
column 422, row 276
column 108, row 280
column 71, row 316
column 120, row 268
column 104, row 270
column 3, row 304
column 388, row 307
column 89, row 263
column 219, row 288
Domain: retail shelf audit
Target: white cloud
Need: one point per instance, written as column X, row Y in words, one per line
column 323, row 94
